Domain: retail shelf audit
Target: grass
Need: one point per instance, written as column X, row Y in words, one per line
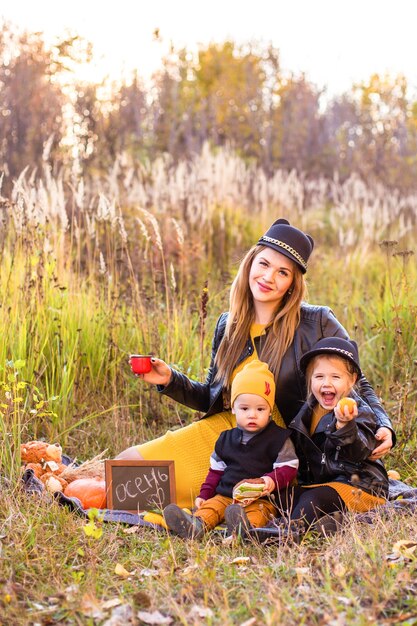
column 54, row 573
column 79, row 294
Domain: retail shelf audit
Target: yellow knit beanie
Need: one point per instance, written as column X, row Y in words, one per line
column 255, row 378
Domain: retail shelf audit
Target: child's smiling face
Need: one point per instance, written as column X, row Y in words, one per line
column 330, row 380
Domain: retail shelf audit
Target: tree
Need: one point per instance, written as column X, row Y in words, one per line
column 381, row 133
column 296, row 125
column 216, row 97
column 31, row 101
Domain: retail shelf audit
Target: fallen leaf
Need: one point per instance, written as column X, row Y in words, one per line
column 241, row 560
column 393, row 559
column 92, row 530
column 122, row 615
column 404, row 547
column 339, row 570
column 38, row 606
column 149, row 572
column 119, row 570
column 70, row 592
column 131, row 530
column 109, row 604
column 190, row 569
column 394, row 474
column 92, row 607
column 154, row 618
column 200, row 611
column 249, row 622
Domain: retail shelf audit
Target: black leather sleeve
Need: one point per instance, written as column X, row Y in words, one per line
column 370, row 397
column 191, row 393
column 331, row 327
column 356, row 438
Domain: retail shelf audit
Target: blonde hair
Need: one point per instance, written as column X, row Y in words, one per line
column 242, row 316
column 350, row 368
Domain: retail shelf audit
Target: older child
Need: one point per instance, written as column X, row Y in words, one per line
column 255, row 451
column 334, row 439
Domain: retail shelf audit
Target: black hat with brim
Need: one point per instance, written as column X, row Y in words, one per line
column 289, row 241
column 335, row 346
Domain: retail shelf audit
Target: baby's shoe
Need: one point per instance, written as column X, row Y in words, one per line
column 237, row 521
column 183, row 524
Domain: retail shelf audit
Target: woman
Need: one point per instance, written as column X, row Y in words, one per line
column 267, row 319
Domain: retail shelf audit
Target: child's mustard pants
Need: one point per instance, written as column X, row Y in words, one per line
column 212, row 511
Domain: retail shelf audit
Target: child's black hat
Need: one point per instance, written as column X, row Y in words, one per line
column 290, row 241
column 336, row 346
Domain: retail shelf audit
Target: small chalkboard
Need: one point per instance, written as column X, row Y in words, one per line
column 137, row 486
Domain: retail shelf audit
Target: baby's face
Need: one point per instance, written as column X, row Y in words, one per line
column 252, row 412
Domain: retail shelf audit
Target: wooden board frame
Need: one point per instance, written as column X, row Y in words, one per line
column 137, row 486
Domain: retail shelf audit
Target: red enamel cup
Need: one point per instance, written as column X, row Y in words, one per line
column 140, row 363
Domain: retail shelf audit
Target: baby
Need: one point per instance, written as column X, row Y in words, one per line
column 256, row 451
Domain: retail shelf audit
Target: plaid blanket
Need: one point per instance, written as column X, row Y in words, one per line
column 401, row 498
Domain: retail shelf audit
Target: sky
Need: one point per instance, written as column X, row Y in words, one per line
column 334, row 42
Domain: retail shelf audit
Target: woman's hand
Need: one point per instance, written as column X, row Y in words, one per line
column 160, row 373
column 384, row 435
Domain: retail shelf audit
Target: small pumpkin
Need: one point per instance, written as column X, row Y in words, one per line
column 90, row 491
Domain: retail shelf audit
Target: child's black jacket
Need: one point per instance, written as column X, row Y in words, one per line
column 339, row 455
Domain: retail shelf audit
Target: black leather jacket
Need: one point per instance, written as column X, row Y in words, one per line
column 339, row 455
column 316, row 322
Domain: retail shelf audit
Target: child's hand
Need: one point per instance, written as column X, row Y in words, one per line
column 198, row 502
column 269, row 485
column 160, row 373
column 345, row 411
column 248, row 490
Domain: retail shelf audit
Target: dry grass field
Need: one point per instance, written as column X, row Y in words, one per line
column 141, row 261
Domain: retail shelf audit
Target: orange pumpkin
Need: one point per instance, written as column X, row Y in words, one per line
column 91, row 492
column 349, row 402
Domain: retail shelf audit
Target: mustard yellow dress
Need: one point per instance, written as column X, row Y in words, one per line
column 190, row 447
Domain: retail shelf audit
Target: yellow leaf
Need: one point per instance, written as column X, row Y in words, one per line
column 119, row 570
column 91, row 530
column 393, row 474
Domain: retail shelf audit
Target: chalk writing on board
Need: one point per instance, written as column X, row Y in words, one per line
column 139, row 485
column 148, row 484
